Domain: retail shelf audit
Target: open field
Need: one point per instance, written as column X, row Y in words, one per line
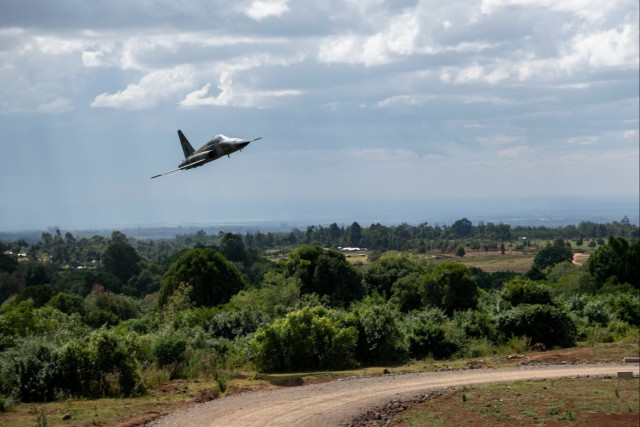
column 517, row 262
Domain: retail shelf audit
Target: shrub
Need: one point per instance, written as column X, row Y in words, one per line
column 31, row 371
column 523, row 291
column 381, row 337
column 544, row 324
column 310, row 338
column 476, row 324
column 169, row 349
column 426, row 335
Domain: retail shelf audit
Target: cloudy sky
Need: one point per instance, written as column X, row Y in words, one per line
column 360, row 103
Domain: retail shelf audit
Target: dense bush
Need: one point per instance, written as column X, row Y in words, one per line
column 311, row 338
column 524, row 291
column 381, row 337
column 105, row 364
column 451, row 287
column 426, row 335
column 544, row 324
column 169, row 349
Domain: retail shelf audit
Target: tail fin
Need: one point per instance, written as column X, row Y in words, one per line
column 186, row 147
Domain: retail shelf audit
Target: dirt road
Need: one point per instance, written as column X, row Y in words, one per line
column 337, row 402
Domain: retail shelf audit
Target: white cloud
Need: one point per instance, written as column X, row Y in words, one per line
column 152, row 88
column 584, row 140
column 609, row 48
column 260, row 9
column 58, row 106
column 233, row 95
column 630, row 134
column 92, row 58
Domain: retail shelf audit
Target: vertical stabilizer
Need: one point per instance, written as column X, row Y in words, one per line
column 186, row 147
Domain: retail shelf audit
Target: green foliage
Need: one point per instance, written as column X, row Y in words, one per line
column 169, row 349
column 214, row 280
column 406, row 292
column 31, row 371
column 489, row 281
column 39, row 294
column 310, row 338
column 617, row 259
column 625, row 306
column 552, row 255
column 381, row 337
column 67, row 303
column 232, row 248
column 451, row 287
column 8, row 263
column 476, row 324
column 379, row 276
column 524, row 291
column 276, row 296
column 426, row 335
column 544, row 324
column 325, row 272
column 104, row 365
column 120, row 258
column 106, row 308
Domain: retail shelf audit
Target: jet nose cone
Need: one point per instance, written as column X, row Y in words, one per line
column 243, row 143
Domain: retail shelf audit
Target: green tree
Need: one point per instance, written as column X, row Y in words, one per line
column 451, row 287
column 462, row 228
column 8, row 263
column 325, row 272
column 232, row 248
column 120, row 258
column 380, row 275
column 214, row 280
column 552, row 255
column 355, row 234
column 616, row 259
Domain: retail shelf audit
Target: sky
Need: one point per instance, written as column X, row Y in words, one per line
column 363, row 105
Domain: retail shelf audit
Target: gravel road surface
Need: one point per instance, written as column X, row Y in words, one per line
column 336, row 403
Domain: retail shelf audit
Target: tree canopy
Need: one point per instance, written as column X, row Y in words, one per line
column 213, row 278
column 325, row 272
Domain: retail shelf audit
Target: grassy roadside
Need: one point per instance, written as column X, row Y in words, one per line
column 579, row 401
column 178, row 394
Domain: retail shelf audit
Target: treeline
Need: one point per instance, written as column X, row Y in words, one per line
column 211, row 304
column 66, row 250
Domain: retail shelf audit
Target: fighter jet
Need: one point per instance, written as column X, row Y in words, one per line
column 217, row 147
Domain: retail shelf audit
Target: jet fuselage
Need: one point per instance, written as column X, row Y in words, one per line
column 217, row 147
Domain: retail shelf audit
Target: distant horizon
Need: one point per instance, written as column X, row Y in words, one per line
column 534, row 211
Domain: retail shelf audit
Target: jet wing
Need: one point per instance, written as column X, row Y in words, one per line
column 167, row 173
column 189, row 166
